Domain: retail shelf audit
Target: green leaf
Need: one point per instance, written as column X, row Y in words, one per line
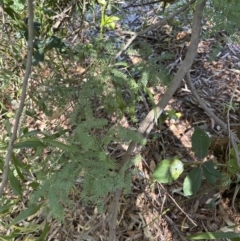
column 20, row 164
column 209, row 177
column 102, row 2
column 21, row 176
column 7, row 126
column 200, row 143
column 168, row 171
column 192, row 181
column 5, row 208
column 15, row 184
column 213, row 235
column 57, row 134
column 38, row 57
column 44, row 232
column 10, row 237
column 29, row 143
column 110, row 21
column 124, row 64
column 30, row 133
column 26, row 213
column 60, row 145
column 210, row 172
column 210, row 167
column 13, row 14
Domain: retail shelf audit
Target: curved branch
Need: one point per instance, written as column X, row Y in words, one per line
column 23, row 97
column 148, row 123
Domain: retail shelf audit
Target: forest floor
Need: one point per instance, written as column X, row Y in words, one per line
column 163, row 213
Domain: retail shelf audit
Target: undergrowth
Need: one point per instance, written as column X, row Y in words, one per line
column 106, row 88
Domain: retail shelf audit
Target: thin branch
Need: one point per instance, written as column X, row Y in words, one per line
column 113, row 219
column 23, row 97
column 147, row 124
column 154, row 26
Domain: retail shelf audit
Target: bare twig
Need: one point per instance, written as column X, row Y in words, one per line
column 23, row 97
column 113, row 219
column 182, row 210
column 147, row 124
column 154, row 26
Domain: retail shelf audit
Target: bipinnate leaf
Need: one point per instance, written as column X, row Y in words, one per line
column 167, row 171
column 200, row 143
column 192, row 181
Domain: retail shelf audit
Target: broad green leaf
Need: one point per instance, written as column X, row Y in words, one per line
column 200, row 143
column 29, row 143
column 213, row 235
column 38, row 57
column 167, row 171
column 15, row 184
column 26, row 213
column 209, row 177
column 54, row 42
column 176, row 168
column 60, row 145
column 210, row 172
column 192, row 181
column 210, row 167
